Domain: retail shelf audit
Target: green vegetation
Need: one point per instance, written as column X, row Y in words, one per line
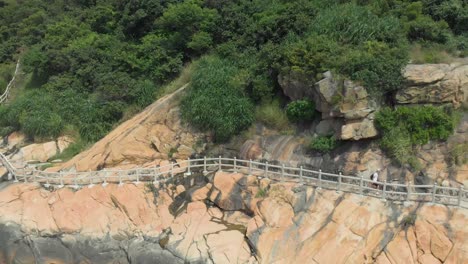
column 261, row 193
column 406, row 127
column 272, row 115
column 408, row 221
column 95, row 63
column 300, row 110
column 216, row 101
column 323, row 144
column 74, row 149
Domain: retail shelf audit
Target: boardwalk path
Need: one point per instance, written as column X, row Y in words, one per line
column 387, row 191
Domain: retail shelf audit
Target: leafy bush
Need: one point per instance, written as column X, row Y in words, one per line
column 323, row 144
column 423, row 123
column 424, row 28
column 216, row 100
column 300, row 111
column 405, row 127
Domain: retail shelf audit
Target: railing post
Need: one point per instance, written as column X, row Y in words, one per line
column 460, row 196
column 434, row 189
column 120, row 178
column 204, row 165
column 266, row 169
column 137, row 176
column 16, row 178
column 25, row 176
column 75, row 180
column 47, row 184
column 282, row 173
column 301, row 174
column 408, row 191
column 155, row 176
column 320, row 179
column 219, row 164
column 104, row 184
column 250, row 166
column 61, row 180
column 339, row 181
column 235, row 164
column 188, row 168
column 91, row 181
column 384, row 190
column 361, row 185
column 172, row 169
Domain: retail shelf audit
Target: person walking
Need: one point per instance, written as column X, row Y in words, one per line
column 375, row 178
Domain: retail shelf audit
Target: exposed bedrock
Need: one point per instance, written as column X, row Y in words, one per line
column 223, row 218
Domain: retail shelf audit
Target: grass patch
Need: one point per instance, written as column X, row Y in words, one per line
column 262, row 193
column 72, row 150
column 408, row 221
column 429, row 54
column 184, row 78
column 458, row 154
column 271, row 115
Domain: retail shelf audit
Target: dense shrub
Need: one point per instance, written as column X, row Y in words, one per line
column 216, row 100
column 423, row 123
column 99, row 59
column 406, row 127
column 424, row 28
column 323, row 144
column 300, row 111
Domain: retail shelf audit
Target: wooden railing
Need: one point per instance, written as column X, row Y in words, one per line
column 360, row 185
column 6, row 93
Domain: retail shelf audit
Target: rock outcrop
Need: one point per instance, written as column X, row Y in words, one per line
column 342, row 102
column 286, row 223
column 435, row 84
column 151, row 136
column 19, row 152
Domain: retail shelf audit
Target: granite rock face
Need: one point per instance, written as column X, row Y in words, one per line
column 342, row 102
column 278, row 223
column 435, row 84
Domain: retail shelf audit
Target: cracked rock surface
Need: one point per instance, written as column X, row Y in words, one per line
column 174, row 223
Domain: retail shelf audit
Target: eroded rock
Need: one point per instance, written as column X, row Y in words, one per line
column 435, row 83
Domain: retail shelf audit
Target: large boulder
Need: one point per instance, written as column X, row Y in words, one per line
column 434, row 84
column 41, row 152
column 346, row 106
column 358, row 129
column 296, row 86
column 341, row 98
column 15, row 139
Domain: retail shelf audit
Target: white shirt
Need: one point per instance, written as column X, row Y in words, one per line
column 375, row 176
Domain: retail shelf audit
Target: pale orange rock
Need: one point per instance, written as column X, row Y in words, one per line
column 228, row 247
column 15, row 139
column 201, row 193
column 428, row 259
column 398, row 250
column 275, row 213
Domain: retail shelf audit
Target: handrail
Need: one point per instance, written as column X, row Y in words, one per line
column 385, row 191
column 5, row 95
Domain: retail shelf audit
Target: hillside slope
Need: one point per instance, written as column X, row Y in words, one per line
column 153, row 135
